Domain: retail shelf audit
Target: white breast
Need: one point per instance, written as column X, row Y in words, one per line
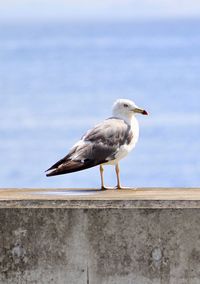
column 125, row 149
column 135, row 130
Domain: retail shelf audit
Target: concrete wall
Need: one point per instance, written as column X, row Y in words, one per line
column 100, row 246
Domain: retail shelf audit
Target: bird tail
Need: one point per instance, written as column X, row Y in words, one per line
column 66, row 167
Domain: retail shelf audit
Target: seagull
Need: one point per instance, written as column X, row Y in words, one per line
column 105, row 144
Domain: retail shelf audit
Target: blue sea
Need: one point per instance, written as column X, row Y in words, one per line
column 59, row 79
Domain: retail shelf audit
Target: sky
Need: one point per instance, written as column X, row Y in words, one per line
column 97, row 9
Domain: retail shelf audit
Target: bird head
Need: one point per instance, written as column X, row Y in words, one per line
column 126, row 109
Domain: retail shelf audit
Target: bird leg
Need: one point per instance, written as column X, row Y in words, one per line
column 102, row 178
column 118, row 178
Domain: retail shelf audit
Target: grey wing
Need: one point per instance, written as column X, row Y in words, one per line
column 108, row 137
column 99, row 145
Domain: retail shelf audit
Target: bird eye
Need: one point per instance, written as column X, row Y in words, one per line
column 125, row 105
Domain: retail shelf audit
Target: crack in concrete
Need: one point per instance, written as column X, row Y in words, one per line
column 88, row 280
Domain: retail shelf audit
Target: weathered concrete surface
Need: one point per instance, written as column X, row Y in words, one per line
column 95, row 198
column 99, row 246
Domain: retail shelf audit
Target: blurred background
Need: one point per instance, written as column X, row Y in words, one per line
column 63, row 64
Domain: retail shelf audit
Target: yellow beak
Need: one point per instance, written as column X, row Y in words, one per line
column 139, row 110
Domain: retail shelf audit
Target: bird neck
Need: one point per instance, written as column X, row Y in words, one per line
column 128, row 118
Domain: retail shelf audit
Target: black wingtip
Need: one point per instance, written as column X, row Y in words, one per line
column 50, row 169
column 51, row 172
column 47, row 171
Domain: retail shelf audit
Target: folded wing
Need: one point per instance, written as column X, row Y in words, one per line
column 99, row 145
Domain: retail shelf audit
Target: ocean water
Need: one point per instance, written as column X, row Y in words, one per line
column 59, row 79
